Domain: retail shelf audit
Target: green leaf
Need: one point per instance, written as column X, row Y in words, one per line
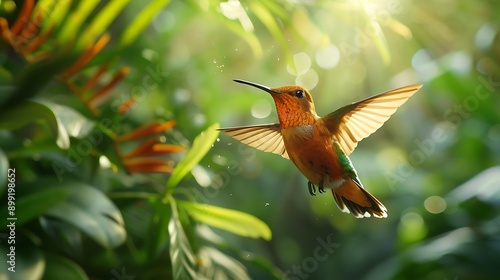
column 59, row 267
column 35, row 111
column 36, row 204
column 250, row 37
column 92, row 212
column 276, row 9
column 264, row 265
column 231, row 220
column 101, row 22
column 181, row 255
column 74, row 123
column 380, row 41
column 141, row 21
column 53, row 12
column 271, row 24
column 71, row 27
column 383, row 48
column 221, row 264
column 159, row 229
column 201, row 145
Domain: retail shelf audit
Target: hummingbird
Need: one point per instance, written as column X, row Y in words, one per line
column 319, row 146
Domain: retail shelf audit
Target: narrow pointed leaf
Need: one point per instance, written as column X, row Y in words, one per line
column 159, row 231
column 76, row 19
column 53, row 12
column 271, row 24
column 201, row 145
column 250, row 37
column 181, row 254
column 222, row 264
column 141, row 21
column 101, row 22
column 231, row 220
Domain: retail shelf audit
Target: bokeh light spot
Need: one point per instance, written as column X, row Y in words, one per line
column 412, row 219
column 164, row 21
column 425, row 64
column 412, row 227
column 328, row 57
column 494, row 133
column 302, row 63
column 391, row 157
column 435, row 204
column 201, row 176
column 199, row 120
column 182, row 95
column 485, row 36
column 458, row 62
column 233, row 10
column 150, row 54
column 104, row 162
column 261, row 109
column 309, row 80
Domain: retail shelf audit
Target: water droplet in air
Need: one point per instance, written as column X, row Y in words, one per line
column 267, row 204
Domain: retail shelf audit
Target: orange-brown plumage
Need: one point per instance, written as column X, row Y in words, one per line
column 319, row 147
column 291, row 112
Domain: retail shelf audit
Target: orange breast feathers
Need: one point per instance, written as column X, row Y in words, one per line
column 312, row 152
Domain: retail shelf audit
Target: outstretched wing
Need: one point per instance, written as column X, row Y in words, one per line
column 356, row 121
column 266, row 137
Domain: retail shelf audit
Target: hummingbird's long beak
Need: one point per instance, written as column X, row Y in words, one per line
column 264, row 88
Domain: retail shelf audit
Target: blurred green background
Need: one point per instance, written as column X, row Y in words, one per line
column 434, row 164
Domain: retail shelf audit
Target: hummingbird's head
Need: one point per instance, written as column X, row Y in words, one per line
column 294, row 103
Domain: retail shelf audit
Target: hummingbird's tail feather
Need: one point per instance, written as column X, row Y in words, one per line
column 352, row 198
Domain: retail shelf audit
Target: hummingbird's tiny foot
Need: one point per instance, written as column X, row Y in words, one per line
column 320, row 187
column 312, row 189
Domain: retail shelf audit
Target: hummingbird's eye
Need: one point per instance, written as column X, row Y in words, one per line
column 299, row 93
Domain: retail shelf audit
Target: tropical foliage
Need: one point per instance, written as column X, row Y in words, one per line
column 108, row 118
